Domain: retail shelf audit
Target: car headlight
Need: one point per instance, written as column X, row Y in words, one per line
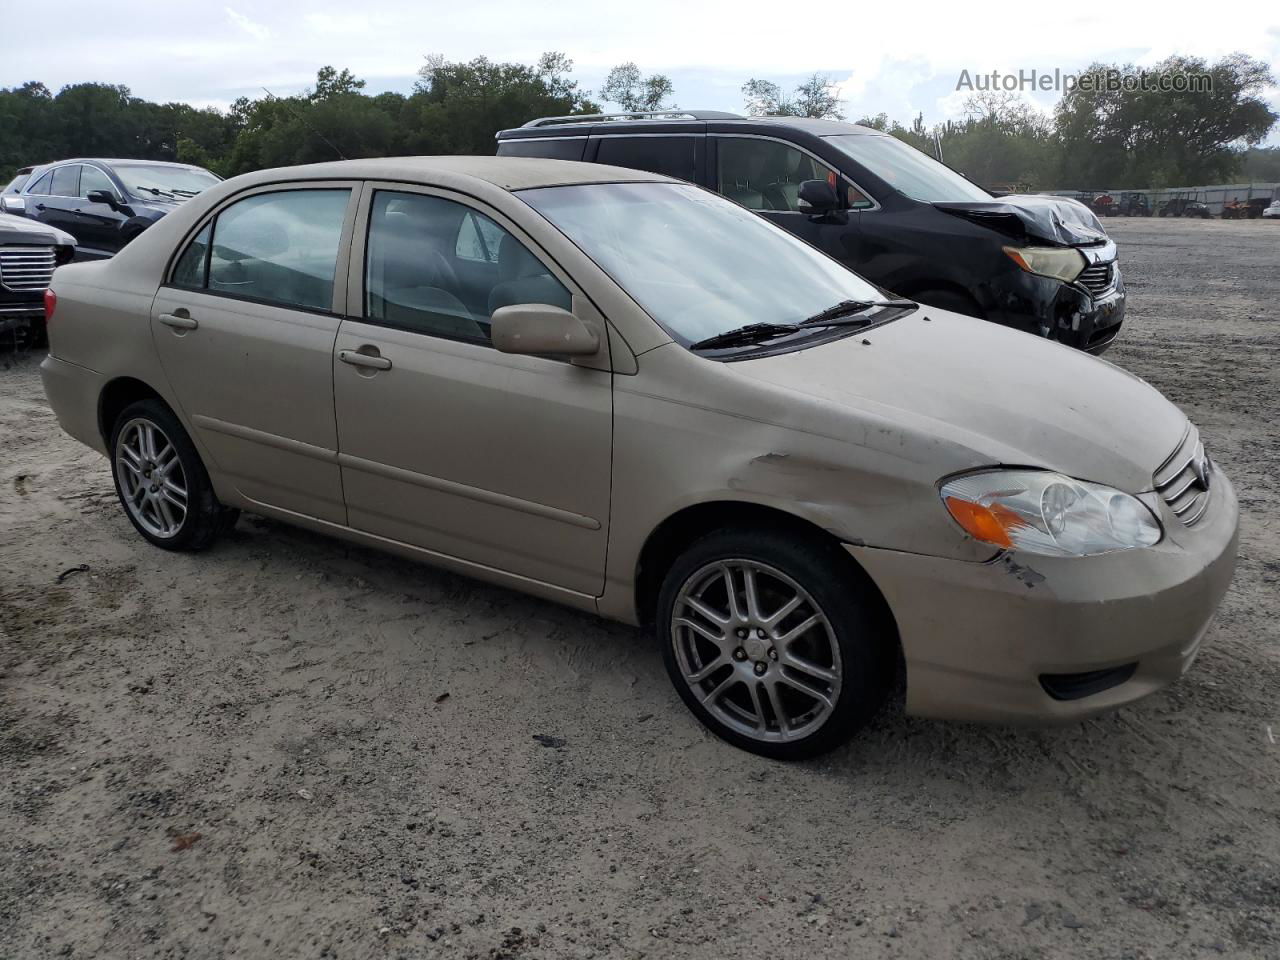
column 1060, row 263
column 1048, row 513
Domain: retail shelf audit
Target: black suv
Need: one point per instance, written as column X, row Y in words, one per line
column 103, row 203
column 898, row 217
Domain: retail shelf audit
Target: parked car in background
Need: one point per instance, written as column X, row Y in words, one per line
column 105, row 204
column 899, row 218
column 622, row 392
column 1272, row 212
column 29, row 253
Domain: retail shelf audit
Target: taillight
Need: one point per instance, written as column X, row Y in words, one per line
column 50, row 304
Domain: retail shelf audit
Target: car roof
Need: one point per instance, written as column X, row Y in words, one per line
column 507, row 173
column 810, row 125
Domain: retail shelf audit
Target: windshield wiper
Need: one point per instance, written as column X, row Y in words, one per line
column 183, row 193
column 155, row 191
column 742, row 336
column 846, row 308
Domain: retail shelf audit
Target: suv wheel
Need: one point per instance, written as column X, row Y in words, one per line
column 779, row 645
column 161, row 482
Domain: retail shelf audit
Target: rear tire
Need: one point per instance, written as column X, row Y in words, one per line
column 161, row 482
column 792, row 673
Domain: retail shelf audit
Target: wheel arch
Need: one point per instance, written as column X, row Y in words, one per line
column 674, row 534
column 118, row 394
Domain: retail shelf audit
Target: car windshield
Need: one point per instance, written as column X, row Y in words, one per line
column 906, row 169
column 159, row 180
column 16, row 183
column 697, row 263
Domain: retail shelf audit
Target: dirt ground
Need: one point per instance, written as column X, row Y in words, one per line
column 289, row 747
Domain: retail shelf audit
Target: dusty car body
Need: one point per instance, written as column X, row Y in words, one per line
column 597, row 429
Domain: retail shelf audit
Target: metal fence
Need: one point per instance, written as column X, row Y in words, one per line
column 1214, row 196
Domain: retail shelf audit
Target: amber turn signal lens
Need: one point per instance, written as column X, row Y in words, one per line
column 988, row 524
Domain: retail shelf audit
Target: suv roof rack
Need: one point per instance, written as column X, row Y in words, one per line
column 640, row 115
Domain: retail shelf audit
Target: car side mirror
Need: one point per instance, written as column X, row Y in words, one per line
column 102, row 196
column 817, row 197
column 14, row 205
column 539, row 329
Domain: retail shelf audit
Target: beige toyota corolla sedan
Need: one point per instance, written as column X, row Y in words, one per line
column 624, row 393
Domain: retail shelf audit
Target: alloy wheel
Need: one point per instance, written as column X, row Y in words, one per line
column 153, row 485
column 757, row 651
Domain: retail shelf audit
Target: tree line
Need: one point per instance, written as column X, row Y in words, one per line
column 1120, row 138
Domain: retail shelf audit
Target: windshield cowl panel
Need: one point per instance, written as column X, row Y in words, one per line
column 698, row 264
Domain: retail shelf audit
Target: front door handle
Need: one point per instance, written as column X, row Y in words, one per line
column 373, row 361
column 177, row 322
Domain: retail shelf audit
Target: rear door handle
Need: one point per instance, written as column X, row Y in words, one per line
column 178, row 323
column 357, row 359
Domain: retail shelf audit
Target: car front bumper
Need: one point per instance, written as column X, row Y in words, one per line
column 1065, row 312
column 978, row 638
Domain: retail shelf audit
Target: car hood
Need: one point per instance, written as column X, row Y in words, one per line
column 1056, row 220
column 14, row 229
column 991, row 396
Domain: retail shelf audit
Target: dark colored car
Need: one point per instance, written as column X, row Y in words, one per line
column 894, row 215
column 29, row 253
column 104, row 203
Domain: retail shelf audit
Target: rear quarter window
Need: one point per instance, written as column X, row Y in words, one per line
column 556, row 148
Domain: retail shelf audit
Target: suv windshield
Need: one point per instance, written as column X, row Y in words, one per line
column 906, row 169
column 697, row 263
column 147, row 179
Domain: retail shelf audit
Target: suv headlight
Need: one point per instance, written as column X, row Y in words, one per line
column 1048, row 513
column 1060, row 263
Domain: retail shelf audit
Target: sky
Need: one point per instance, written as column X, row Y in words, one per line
column 899, row 58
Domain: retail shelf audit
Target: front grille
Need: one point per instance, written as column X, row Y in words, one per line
column 1183, row 480
column 1098, row 278
column 26, row 268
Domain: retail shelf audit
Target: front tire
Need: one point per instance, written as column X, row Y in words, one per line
column 162, row 485
column 778, row 643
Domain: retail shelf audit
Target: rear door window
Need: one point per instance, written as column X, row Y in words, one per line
column 279, row 248
column 66, row 181
column 670, row 156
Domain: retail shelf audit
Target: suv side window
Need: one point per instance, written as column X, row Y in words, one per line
column 670, row 156
column 41, row 187
column 766, row 174
column 437, row 267
column 66, row 181
column 554, row 148
column 279, row 248
column 91, row 178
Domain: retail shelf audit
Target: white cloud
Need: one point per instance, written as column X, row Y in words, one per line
column 887, row 58
column 256, row 30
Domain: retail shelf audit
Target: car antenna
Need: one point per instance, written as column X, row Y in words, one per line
column 299, row 116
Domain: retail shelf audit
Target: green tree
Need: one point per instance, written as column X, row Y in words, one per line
column 1125, row 135
column 816, row 97
column 634, row 92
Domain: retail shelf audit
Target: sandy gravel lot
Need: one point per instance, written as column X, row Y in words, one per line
column 288, row 747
